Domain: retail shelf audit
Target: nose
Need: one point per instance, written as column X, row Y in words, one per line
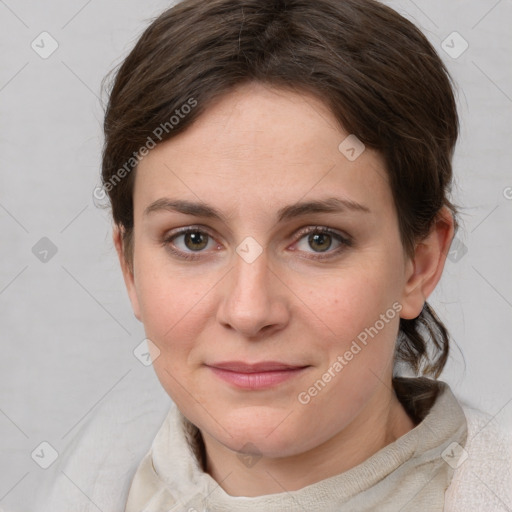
column 254, row 299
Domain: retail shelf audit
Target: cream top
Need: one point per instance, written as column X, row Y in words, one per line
column 409, row 474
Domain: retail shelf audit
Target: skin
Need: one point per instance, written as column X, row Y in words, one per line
column 251, row 153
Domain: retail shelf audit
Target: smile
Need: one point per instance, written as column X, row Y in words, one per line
column 255, row 376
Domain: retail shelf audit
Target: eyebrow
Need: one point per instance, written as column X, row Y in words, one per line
column 328, row 205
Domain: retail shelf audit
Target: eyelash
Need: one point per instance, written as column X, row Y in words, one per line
column 344, row 241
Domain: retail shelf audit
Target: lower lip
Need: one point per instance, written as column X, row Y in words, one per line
column 258, row 380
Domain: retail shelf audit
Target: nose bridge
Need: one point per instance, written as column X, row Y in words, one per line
column 250, row 265
column 251, row 302
column 249, row 280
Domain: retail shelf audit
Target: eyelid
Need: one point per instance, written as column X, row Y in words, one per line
column 323, row 229
column 344, row 239
column 297, row 233
column 169, row 237
column 187, row 229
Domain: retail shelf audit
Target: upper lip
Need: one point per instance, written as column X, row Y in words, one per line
column 264, row 366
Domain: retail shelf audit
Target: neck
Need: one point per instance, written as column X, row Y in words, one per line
column 381, row 422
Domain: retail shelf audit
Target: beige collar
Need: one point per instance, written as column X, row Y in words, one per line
column 410, row 474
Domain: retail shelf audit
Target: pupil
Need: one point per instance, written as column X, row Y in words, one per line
column 195, row 238
column 319, row 238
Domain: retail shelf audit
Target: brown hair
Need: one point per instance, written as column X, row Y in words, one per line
column 373, row 68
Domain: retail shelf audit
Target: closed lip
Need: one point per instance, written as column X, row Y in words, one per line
column 260, row 367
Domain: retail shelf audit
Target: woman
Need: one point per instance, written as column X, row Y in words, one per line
column 279, row 174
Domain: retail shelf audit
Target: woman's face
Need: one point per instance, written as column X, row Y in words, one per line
column 252, row 285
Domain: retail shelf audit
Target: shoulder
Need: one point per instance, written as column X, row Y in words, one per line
column 482, row 479
column 95, row 468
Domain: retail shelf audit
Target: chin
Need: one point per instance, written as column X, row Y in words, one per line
column 254, row 432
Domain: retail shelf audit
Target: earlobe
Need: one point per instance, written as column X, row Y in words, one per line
column 425, row 269
column 128, row 274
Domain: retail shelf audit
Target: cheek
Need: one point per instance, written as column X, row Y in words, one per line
column 168, row 296
column 363, row 314
column 344, row 302
column 174, row 314
column 354, row 323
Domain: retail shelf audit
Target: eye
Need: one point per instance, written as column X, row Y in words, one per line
column 188, row 241
column 321, row 240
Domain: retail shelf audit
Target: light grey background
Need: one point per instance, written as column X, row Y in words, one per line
column 67, row 329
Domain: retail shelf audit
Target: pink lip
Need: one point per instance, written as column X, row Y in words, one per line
column 255, row 376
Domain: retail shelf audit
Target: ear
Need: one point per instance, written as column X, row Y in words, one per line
column 426, row 267
column 128, row 274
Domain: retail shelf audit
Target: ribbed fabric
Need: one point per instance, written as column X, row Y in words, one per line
column 410, row 474
column 95, row 470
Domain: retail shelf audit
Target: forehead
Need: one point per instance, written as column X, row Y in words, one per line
column 261, row 147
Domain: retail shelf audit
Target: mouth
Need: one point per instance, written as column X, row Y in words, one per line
column 255, row 376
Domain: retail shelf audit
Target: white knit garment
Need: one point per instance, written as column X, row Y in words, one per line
column 97, row 470
column 409, row 474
